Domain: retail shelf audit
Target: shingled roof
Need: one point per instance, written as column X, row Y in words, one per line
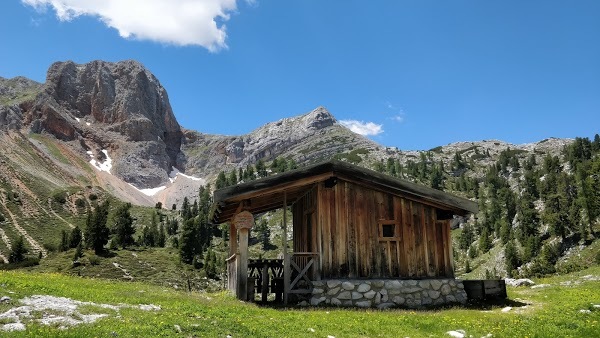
column 267, row 193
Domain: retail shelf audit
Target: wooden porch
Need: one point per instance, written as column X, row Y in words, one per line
column 265, row 278
column 247, row 278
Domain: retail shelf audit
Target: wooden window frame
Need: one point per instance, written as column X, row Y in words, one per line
column 395, row 223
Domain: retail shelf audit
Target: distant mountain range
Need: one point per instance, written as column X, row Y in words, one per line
column 119, row 115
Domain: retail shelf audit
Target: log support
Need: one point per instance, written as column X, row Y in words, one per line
column 243, row 222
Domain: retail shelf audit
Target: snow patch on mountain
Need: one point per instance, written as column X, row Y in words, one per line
column 104, row 166
column 174, row 173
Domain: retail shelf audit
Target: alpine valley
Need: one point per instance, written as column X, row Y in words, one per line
column 106, row 131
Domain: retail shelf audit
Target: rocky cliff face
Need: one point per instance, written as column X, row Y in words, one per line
column 120, row 107
column 307, row 138
column 13, row 93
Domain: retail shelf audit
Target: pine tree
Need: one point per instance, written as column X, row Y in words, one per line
column 292, row 164
column 210, row 265
column 261, row 169
column 472, row 253
column 172, row 226
column 97, row 233
column 78, row 252
column 485, row 242
column 505, row 232
column 596, row 144
column 466, row 237
column 162, row 238
column 64, row 241
column 221, row 180
column 18, row 251
column 123, row 226
column 531, row 248
column 436, row 179
column 264, row 233
column 232, row 179
column 186, row 211
column 150, row 233
column 528, row 217
column 511, row 258
column 249, row 174
column 75, row 237
column 187, row 245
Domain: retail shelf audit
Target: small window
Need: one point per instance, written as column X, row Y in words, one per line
column 388, row 230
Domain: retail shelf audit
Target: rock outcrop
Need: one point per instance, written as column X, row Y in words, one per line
column 14, row 96
column 307, row 138
column 120, row 107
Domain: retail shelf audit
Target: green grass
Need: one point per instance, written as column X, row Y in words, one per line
column 545, row 312
column 51, row 146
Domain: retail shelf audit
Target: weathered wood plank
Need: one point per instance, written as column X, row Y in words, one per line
column 342, row 226
column 352, row 231
column 364, row 256
column 335, row 231
column 373, row 217
column 402, row 245
column 424, row 213
column 418, row 239
column 430, row 225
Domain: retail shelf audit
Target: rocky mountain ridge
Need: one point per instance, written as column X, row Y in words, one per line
column 118, row 116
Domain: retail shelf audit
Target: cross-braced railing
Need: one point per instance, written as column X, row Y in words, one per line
column 304, row 267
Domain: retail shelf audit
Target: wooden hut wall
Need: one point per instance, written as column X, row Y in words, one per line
column 351, row 219
column 304, row 216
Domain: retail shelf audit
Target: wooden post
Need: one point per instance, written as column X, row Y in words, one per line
column 286, row 257
column 243, row 223
column 232, row 239
column 265, row 282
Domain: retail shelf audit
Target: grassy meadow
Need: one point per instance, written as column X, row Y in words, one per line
column 563, row 308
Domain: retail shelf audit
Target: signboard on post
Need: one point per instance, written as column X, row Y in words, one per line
column 244, row 220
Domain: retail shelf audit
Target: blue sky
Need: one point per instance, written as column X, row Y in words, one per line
column 423, row 73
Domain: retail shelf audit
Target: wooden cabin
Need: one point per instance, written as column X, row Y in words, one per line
column 350, row 225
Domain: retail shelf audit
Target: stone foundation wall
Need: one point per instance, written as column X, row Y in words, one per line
column 385, row 293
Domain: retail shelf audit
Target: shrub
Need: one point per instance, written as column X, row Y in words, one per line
column 80, row 203
column 93, row 197
column 50, row 247
column 60, row 197
column 26, row 262
column 2, row 219
column 94, row 260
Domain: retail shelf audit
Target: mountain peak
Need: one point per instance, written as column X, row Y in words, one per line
column 319, row 118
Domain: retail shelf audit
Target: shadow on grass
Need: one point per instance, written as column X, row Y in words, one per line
column 107, row 254
column 478, row 305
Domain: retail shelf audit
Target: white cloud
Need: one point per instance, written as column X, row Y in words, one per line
column 177, row 22
column 398, row 118
column 363, row 128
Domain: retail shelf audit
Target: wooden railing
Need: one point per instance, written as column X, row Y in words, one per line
column 304, row 271
column 232, row 273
